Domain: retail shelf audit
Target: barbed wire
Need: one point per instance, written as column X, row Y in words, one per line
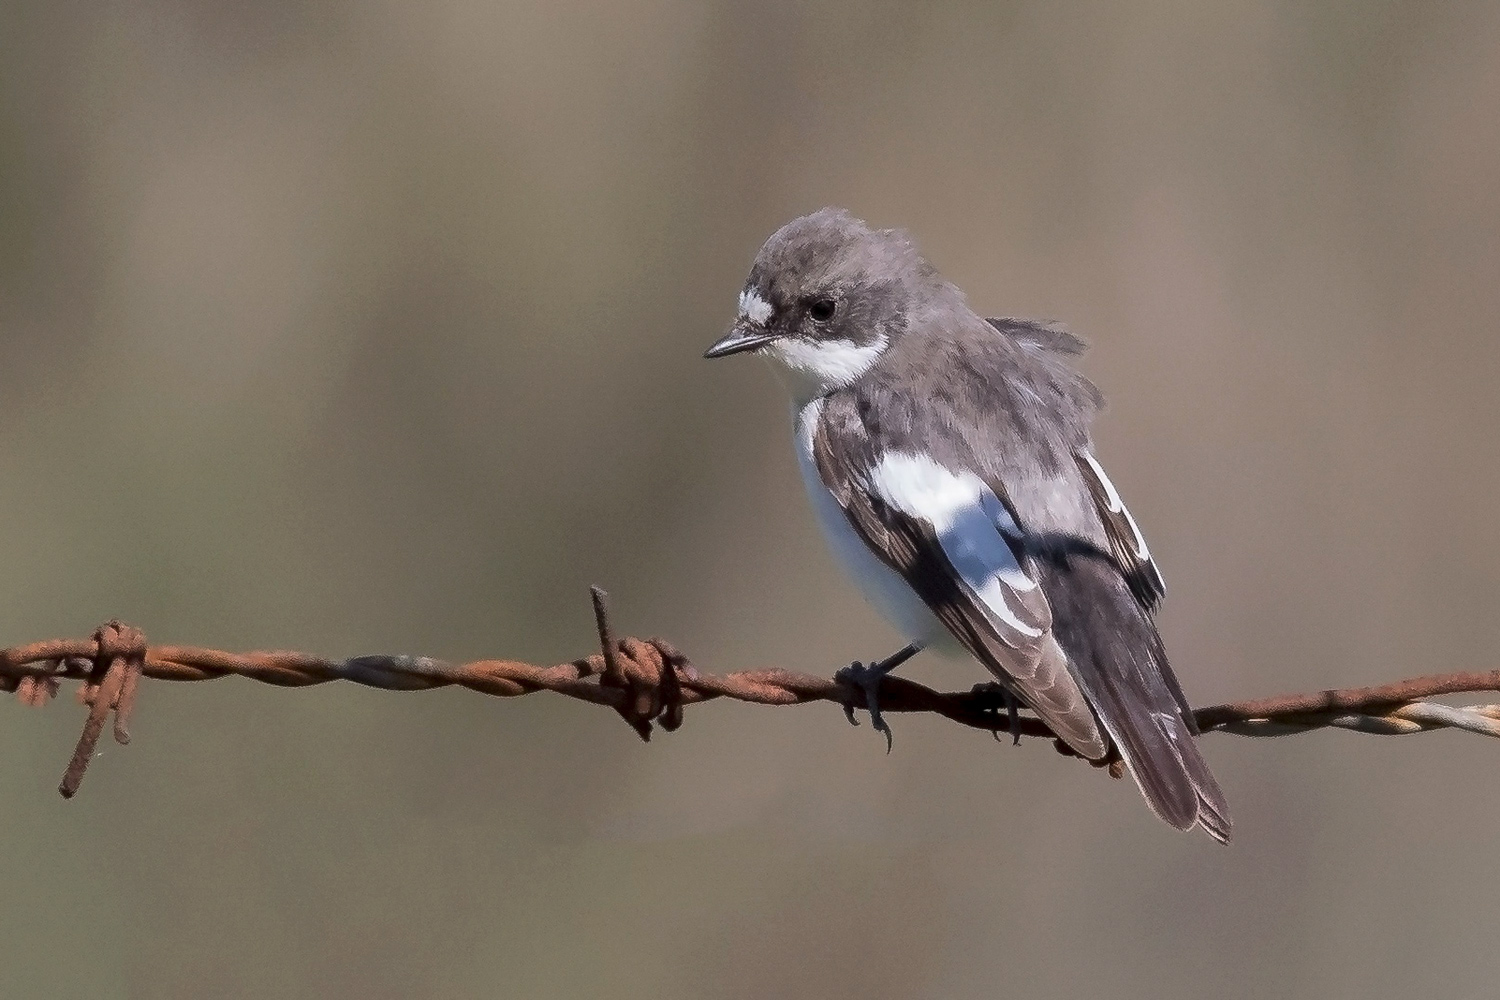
column 649, row 682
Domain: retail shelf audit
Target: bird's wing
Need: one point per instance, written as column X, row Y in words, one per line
column 1040, row 334
column 946, row 533
column 1125, row 538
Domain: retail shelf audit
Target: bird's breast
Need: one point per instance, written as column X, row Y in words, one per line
column 882, row 586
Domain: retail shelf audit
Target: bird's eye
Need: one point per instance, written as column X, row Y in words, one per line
column 822, row 310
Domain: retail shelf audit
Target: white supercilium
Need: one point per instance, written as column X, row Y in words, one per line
column 754, row 308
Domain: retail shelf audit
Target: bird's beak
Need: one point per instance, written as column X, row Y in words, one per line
column 743, row 336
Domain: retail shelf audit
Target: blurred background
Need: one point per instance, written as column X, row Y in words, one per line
column 358, row 327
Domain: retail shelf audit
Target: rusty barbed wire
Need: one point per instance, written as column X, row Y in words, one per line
column 649, row 682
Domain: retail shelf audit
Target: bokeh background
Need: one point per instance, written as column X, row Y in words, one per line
column 357, row 327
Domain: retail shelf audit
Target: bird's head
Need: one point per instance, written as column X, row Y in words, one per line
column 826, row 296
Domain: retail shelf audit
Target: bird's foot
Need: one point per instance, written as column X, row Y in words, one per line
column 1002, row 698
column 867, row 679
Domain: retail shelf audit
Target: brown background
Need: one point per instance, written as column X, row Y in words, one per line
column 359, row 327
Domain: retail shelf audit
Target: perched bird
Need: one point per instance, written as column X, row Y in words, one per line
column 949, row 464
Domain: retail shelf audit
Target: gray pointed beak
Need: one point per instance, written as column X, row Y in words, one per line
column 740, row 338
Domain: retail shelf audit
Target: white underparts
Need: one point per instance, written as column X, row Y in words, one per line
column 882, row 586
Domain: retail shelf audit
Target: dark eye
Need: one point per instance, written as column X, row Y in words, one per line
column 822, row 310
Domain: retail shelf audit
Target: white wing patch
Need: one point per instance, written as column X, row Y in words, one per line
column 968, row 520
column 754, row 308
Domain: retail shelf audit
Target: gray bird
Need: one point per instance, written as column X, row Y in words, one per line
column 949, row 464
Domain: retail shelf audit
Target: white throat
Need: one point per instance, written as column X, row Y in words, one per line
column 814, row 368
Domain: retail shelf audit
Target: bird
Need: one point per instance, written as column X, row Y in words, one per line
column 949, row 462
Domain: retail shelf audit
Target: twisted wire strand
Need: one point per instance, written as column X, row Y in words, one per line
column 649, row 682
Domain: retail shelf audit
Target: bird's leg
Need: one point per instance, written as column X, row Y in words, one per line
column 867, row 679
column 1011, row 703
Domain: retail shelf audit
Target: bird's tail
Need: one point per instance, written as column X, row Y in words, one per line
column 1122, row 667
column 1158, row 746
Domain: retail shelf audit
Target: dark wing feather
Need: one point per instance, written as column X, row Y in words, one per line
column 1123, row 667
column 1031, row 665
column 1125, row 538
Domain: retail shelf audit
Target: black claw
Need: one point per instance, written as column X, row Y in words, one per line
column 850, row 675
column 872, row 702
column 1002, row 697
column 867, row 679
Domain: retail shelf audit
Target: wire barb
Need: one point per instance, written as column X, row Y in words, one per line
column 119, row 658
column 649, row 682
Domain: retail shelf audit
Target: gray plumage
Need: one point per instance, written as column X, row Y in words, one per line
column 957, row 449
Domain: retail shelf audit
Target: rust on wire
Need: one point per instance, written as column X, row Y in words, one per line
column 649, row 682
column 119, row 655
